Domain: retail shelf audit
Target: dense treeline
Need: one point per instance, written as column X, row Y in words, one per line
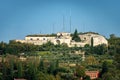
column 16, row 47
column 37, row 69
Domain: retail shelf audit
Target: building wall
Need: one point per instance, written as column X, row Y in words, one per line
column 92, row 74
column 66, row 38
column 39, row 38
column 97, row 39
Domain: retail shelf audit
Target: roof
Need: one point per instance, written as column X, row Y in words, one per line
column 19, row 79
column 42, row 35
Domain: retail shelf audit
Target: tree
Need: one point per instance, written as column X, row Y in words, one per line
column 19, row 70
column 3, row 47
column 41, row 66
column 107, row 76
column 76, row 37
column 51, row 68
column 58, row 77
column 100, row 49
column 12, row 69
column 91, row 60
column 112, row 36
column 92, row 42
column 1, row 76
column 87, row 78
column 104, row 68
column 4, row 71
column 80, row 71
column 57, row 63
column 112, row 74
column 43, row 76
column 117, row 61
column 31, row 72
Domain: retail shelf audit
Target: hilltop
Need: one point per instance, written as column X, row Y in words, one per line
column 65, row 38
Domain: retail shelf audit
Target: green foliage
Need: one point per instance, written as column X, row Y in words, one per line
column 46, row 47
column 3, row 47
column 17, row 47
column 4, row 71
column 56, row 59
column 41, row 66
column 111, row 75
column 87, row 78
column 92, row 41
column 75, row 36
column 42, row 76
column 31, row 73
column 12, row 69
column 19, row 70
column 112, row 36
column 114, row 45
column 51, row 47
column 99, row 50
column 1, row 76
column 80, row 71
column 117, row 61
column 104, row 68
column 52, row 68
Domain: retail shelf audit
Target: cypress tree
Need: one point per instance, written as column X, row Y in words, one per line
column 76, row 37
column 92, row 42
column 41, row 66
column 20, row 70
column 12, row 69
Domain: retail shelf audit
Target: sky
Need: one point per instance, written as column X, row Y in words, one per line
column 19, row 18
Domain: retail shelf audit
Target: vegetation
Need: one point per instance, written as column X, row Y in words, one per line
column 59, row 62
column 75, row 36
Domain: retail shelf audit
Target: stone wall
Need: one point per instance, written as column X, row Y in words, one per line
column 67, row 39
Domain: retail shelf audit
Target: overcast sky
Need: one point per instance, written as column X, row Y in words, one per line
column 19, row 18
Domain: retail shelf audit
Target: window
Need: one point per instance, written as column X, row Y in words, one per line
column 31, row 39
column 84, row 38
column 43, row 38
column 58, row 41
column 37, row 38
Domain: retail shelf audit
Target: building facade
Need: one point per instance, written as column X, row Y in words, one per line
column 92, row 74
column 66, row 38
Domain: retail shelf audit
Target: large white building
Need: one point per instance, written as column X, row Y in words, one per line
column 66, row 38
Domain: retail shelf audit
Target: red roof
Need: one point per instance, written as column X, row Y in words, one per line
column 20, row 79
column 92, row 74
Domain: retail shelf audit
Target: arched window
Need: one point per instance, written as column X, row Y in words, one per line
column 37, row 38
column 84, row 38
column 43, row 38
column 58, row 41
column 31, row 38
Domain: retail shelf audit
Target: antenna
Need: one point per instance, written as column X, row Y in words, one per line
column 53, row 28
column 70, row 20
column 83, row 27
column 63, row 23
